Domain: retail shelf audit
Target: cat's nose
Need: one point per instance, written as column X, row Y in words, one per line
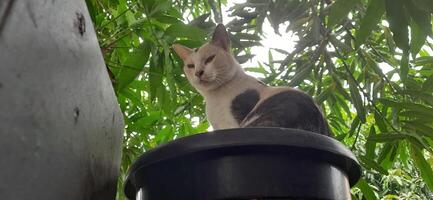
column 199, row 73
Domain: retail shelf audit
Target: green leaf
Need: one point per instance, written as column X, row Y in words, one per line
column 186, row 31
column 420, row 17
column 386, row 137
column 339, row 44
column 298, row 23
column 256, row 69
column 424, row 60
column 354, row 125
column 372, row 17
column 428, row 84
column 301, row 76
column 403, row 153
column 418, row 115
column 245, row 36
column 357, row 100
column 371, row 164
column 425, row 5
column 370, row 145
column 366, row 189
column 386, row 155
column 243, row 58
column 404, row 65
column 164, row 100
column 148, row 120
column 271, row 62
column 419, row 127
column 132, row 96
column 155, row 75
column 418, row 38
column 422, row 165
column 132, row 66
column 389, row 39
column 380, row 122
column 398, row 23
column 200, row 20
column 422, row 110
column 167, row 19
column 339, row 10
column 323, row 96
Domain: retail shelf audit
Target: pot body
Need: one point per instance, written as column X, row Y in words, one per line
column 253, row 163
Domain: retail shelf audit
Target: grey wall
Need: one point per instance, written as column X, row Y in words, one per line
column 60, row 125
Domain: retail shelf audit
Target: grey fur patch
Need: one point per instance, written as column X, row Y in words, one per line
column 289, row 109
column 243, row 104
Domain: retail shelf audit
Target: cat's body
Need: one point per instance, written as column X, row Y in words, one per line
column 235, row 99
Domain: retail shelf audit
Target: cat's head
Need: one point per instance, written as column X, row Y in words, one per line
column 211, row 65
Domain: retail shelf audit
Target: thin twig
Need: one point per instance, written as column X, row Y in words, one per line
column 112, row 20
column 121, row 66
column 356, row 137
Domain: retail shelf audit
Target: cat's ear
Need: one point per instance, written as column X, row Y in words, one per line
column 183, row 51
column 220, row 37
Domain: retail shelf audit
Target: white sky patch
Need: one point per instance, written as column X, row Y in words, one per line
column 385, row 67
column 284, row 41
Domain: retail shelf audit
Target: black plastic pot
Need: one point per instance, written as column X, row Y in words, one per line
column 248, row 163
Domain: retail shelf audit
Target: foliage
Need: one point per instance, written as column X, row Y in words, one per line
column 368, row 63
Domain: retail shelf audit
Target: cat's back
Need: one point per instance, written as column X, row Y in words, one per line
column 288, row 108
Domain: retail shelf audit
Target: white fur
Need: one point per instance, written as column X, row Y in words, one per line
column 218, row 101
column 222, row 79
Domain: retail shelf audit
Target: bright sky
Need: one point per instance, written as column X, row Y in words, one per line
column 285, row 41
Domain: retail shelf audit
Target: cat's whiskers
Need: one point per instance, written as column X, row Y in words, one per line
column 218, row 81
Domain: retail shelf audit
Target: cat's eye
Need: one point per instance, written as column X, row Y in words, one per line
column 190, row 65
column 209, row 59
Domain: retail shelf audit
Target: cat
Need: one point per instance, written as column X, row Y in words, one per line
column 234, row 99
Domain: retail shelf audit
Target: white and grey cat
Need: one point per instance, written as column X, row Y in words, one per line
column 235, row 99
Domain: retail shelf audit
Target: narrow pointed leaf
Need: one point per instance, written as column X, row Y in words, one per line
column 425, row 5
column 418, row 38
column 373, row 15
column 428, row 84
column 357, row 100
column 186, row 31
column 385, row 137
column 301, row 76
column 366, row 189
column 404, row 66
column 339, row 10
column 398, row 23
column 370, row 145
column 422, row 165
column 132, row 66
column 420, row 17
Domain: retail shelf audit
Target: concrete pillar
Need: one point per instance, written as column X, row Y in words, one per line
column 60, row 124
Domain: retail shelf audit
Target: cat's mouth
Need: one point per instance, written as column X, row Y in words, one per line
column 204, row 81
